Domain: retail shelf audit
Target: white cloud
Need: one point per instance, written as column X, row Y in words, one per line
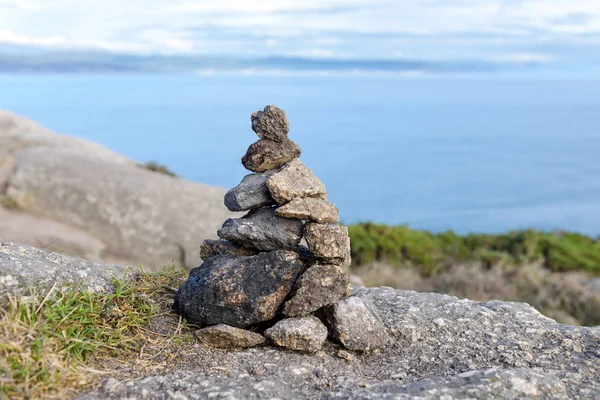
column 327, row 28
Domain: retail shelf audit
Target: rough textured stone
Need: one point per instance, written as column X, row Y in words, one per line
column 262, row 230
column 303, row 334
column 491, row 350
column 251, row 193
column 24, row 268
column 271, row 124
column 329, row 242
column 210, row 248
column 238, row 291
column 319, row 286
column 317, row 210
column 228, row 337
column 354, row 321
column 265, row 155
column 295, row 180
column 138, row 216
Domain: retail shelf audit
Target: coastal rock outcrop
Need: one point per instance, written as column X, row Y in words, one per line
column 74, row 196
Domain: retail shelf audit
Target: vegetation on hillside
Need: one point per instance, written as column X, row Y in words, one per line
column 433, row 253
column 54, row 343
column 159, row 168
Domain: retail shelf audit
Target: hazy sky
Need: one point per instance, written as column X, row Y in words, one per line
column 547, row 31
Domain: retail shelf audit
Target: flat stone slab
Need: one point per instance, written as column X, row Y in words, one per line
column 329, row 242
column 24, row 268
column 210, row 248
column 355, row 323
column 319, row 286
column 252, row 193
column 311, row 209
column 302, row 334
column 265, row 155
column 228, row 337
column 271, row 124
column 263, row 230
column 293, row 181
column 482, row 350
column 238, row 291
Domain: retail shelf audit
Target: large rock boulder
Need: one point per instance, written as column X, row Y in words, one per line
column 85, row 187
column 238, row 290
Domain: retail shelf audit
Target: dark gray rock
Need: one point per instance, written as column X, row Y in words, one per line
column 302, row 334
column 210, row 248
column 329, row 243
column 238, row 291
column 440, row 346
column 316, row 210
column 265, row 155
column 262, row 230
column 271, row 124
column 251, row 193
column 319, row 286
column 24, row 268
column 295, row 180
column 228, row 337
column 354, row 322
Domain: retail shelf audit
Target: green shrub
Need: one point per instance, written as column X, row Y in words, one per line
column 432, row 253
column 156, row 167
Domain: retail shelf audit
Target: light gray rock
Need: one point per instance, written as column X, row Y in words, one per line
column 329, row 242
column 238, row 291
column 302, row 334
column 228, row 337
column 265, row 155
column 24, row 268
column 87, row 188
column 319, row 286
column 354, row 322
column 271, row 124
column 317, row 210
column 262, row 230
column 251, row 193
column 293, row 181
column 440, row 348
column 210, row 248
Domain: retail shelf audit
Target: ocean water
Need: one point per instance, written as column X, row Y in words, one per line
column 486, row 154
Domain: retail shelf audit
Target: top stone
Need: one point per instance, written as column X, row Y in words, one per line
column 271, row 124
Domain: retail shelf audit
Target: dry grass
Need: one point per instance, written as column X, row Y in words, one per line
column 54, row 345
column 565, row 297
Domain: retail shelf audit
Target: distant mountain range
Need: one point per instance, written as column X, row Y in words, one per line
column 15, row 59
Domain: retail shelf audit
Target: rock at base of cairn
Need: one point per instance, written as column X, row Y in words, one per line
column 295, row 180
column 252, row 193
column 316, row 210
column 262, row 230
column 319, row 286
column 228, row 337
column 210, row 248
column 238, row 291
column 265, row 155
column 329, row 242
column 303, row 334
column 355, row 323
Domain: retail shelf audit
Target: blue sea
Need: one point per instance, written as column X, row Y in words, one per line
column 471, row 154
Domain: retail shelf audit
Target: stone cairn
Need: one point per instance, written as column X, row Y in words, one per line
column 259, row 277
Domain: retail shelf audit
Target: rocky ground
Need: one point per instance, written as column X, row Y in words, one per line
column 440, row 347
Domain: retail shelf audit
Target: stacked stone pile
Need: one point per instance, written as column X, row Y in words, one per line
column 259, row 276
